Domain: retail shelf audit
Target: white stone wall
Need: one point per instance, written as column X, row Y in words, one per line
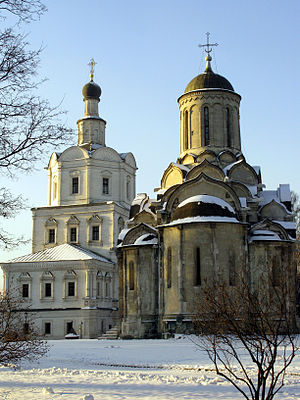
column 88, row 277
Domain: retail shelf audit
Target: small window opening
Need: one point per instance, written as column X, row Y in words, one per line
column 75, row 185
column 95, row 233
column 206, row 126
column 197, row 267
column 51, row 235
column 228, row 127
column 169, row 267
column 73, row 234
column 71, row 289
column 25, row 290
column 48, row 289
column 47, row 327
column 26, row 328
column 70, row 327
column 131, row 276
column 105, row 185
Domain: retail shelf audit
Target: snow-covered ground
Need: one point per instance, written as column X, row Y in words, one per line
column 125, row 369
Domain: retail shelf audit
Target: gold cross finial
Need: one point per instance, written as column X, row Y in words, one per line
column 92, row 64
column 208, row 50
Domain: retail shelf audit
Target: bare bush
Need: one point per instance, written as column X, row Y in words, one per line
column 19, row 339
column 248, row 335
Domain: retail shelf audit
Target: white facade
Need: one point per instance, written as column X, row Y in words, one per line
column 70, row 281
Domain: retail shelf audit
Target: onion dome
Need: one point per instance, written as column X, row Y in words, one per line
column 91, row 91
column 203, row 206
column 208, row 80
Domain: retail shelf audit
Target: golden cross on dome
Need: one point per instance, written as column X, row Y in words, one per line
column 208, row 50
column 92, row 64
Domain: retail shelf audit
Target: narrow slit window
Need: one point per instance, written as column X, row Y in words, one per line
column 206, row 126
column 186, row 138
column 232, row 272
column 169, row 267
column 197, row 267
column 228, row 130
column 131, row 276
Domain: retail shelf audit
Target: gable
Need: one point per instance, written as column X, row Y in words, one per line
column 202, row 184
column 273, row 210
column 208, row 169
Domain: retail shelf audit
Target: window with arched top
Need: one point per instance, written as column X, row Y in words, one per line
column 169, row 267
column 131, row 275
column 185, row 130
column 206, row 126
column 228, row 127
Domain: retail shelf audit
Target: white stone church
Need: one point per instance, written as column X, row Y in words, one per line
column 102, row 257
column 70, row 281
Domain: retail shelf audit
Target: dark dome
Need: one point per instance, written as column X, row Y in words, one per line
column 208, row 80
column 203, row 206
column 91, row 91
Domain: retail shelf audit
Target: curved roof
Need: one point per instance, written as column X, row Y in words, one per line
column 203, row 206
column 208, row 80
column 91, row 91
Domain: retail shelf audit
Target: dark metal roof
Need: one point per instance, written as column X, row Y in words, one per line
column 91, row 91
column 208, row 80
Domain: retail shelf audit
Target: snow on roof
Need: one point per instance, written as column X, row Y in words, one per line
column 286, row 224
column 64, row 252
column 252, row 189
column 284, row 192
column 139, row 198
column 146, row 239
column 189, row 220
column 256, row 168
column 123, row 155
column 268, row 195
column 183, row 167
column 123, row 233
column 228, row 167
column 243, row 202
column 204, row 198
column 261, row 234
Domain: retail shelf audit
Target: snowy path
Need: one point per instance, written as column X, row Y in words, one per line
column 170, row 369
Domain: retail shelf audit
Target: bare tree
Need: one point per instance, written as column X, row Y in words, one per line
column 249, row 335
column 19, row 340
column 29, row 125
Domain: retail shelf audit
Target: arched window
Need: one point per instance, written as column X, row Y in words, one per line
column 131, row 275
column 169, row 267
column 197, row 267
column 206, row 126
column 185, row 130
column 228, row 127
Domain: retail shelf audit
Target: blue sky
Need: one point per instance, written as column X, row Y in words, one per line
column 146, row 53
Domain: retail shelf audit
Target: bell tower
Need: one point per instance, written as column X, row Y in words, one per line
column 91, row 128
column 209, row 113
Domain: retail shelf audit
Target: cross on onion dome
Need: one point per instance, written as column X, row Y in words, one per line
column 92, row 64
column 208, row 50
